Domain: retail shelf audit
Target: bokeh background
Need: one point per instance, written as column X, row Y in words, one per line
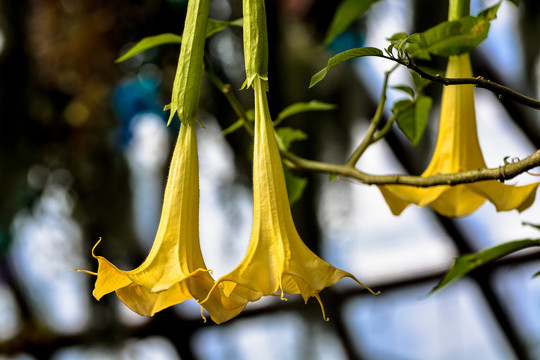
column 84, row 152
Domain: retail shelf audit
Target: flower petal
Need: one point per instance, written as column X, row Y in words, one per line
column 507, row 197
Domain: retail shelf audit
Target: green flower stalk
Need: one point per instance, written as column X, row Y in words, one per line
column 187, row 82
column 255, row 41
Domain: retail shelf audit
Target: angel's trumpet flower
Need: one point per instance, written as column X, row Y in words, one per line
column 277, row 260
column 458, row 150
column 174, row 270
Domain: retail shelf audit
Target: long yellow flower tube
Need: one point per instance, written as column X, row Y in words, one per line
column 458, row 150
column 277, row 260
column 174, row 270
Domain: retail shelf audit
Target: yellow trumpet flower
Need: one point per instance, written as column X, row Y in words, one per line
column 174, row 270
column 458, row 150
column 277, row 260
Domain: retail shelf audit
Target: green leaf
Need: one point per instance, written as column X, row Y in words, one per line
column 401, row 105
column 490, row 13
column 235, row 126
column 419, row 82
column 212, row 27
column 347, row 12
column 301, row 107
column 454, row 37
column 289, row 135
column 397, row 37
column 215, row 26
column 344, row 56
column 412, row 117
column 515, row 2
column 398, row 40
column 405, row 88
column 468, row 262
column 295, row 185
column 148, row 43
column 250, row 114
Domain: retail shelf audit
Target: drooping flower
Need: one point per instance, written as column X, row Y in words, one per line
column 458, row 150
column 174, row 270
column 277, row 260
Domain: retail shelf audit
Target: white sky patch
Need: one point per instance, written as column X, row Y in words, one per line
column 452, row 324
column 151, row 347
column 226, row 209
column 10, row 320
column 384, row 19
column 47, row 244
column 503, row 47
column 147, row 155
column 519, row 294
column 282, row 335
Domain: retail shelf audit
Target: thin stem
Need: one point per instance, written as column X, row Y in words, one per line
column 500, row 90
column 375, row 121
column 231, row 98
column 501, row 173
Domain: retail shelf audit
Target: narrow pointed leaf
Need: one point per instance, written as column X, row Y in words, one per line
column 405, row 88
column 149, row 42
column 301, row 107
column 289, row 135
column 250, row 115
column 347, row 12
column 215, row 26
column 235, row 126
column 295, row 185
column 468, row 262
column 344, row 56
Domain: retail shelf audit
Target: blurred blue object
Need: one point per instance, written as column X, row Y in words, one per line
column 134, row 95
column 349, row 39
